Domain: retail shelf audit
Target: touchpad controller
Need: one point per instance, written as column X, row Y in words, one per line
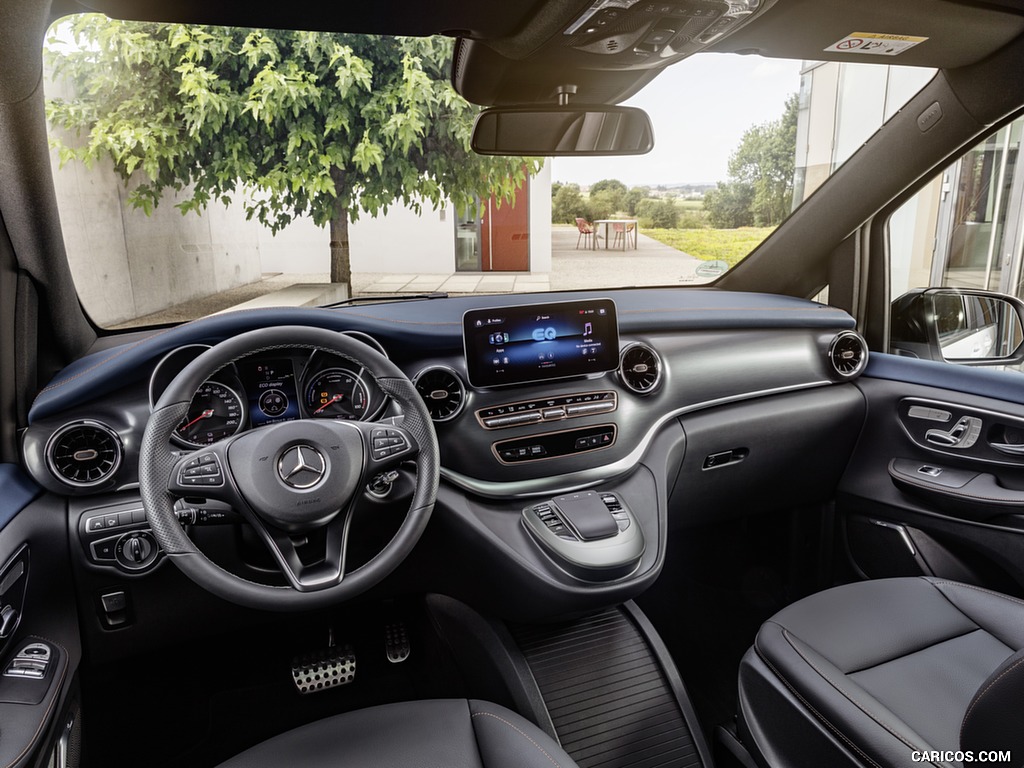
column 587, row 514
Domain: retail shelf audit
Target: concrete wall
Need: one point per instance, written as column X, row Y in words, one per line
column 127, row 264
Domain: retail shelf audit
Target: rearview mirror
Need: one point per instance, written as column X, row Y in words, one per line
column 968, row 327
column 563, row 131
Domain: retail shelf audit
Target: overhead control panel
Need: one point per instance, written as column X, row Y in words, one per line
column 660, row 29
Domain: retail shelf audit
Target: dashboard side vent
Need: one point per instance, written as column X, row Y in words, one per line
column 640, row 368
column 84, row 454
column 443, row 392
column 848, row 354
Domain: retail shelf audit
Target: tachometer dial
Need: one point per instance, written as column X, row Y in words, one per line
column 337, row 394
column 215, row 412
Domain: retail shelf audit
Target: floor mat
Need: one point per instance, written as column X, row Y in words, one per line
column 606, row 693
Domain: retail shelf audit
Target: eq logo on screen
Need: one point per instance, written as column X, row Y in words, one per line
column 544, row 334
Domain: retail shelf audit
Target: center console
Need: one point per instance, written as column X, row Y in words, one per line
column 590, row 535
column 593, row 535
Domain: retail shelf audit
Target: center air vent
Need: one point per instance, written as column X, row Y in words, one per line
column 84, row 453
column 640, row 369
column 848, row 354
column 442, row 391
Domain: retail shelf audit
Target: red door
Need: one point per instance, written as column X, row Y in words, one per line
column 505, row 233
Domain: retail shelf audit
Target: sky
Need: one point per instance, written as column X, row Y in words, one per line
column 700, row 108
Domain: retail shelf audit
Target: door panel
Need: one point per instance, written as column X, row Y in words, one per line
column 936, row 483
column 41, row 638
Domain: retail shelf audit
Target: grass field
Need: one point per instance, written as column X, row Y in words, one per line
column 729, row 245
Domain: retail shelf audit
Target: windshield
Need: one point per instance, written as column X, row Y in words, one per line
column 202, row 169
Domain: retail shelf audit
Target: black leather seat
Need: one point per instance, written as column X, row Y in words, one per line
column 442, row 733
column 868, row 674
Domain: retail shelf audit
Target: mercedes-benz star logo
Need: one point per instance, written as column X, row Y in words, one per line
column 302, row 467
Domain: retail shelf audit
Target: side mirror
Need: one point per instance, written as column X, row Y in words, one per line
column 563, row 131
column 963, row 326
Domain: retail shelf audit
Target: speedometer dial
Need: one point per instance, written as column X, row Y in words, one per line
column 215, row 412
column 337, row 394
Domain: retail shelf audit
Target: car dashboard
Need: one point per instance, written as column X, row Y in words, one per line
column 679, row 405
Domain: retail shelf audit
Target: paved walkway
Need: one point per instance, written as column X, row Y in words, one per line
column 651, row 263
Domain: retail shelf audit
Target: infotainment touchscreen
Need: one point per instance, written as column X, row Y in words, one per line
column 536, row 342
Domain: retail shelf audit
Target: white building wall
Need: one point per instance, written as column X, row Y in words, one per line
column 540, row 220
column 848, row 103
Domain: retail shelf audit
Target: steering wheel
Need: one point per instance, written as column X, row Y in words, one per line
column 289, row 480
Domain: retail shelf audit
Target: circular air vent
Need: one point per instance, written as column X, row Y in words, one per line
column 848, row 354
column 84, row 453
column 442, row 391
column 640, row 369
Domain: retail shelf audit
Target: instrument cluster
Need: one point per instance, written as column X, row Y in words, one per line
column 269, row 388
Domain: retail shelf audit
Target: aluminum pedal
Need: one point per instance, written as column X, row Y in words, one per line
column 322, row 670
column 396, row 642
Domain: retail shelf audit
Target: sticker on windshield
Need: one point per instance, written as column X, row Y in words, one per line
column 875, row 43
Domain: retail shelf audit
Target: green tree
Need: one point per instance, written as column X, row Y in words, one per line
column 765, row 160
column 603, row 204
column 568, row 204
column 633, row 198
column 729, row 206
column 612, row 193
column 661, row 214
column 294, row 123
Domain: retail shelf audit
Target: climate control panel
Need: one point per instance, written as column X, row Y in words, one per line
column 547, row 409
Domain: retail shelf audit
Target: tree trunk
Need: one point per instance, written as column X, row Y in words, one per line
column 341, row 264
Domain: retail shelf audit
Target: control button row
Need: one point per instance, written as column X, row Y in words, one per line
column 105, row 522
column 387, row 442
column 204, row 470
column 553, row 522
column 551, row 409
column 30, row 662
column 593, row 441
column 512, row 421
column 582, row 410
column 523, row 452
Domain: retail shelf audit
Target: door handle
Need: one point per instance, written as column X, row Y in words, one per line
column 1010, row 449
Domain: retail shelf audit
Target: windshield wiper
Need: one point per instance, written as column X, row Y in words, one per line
column 393, row 297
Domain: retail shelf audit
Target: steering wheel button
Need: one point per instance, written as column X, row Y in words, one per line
column 209, row 469
column 208, row 458
column 380, row 442
column 192, row 463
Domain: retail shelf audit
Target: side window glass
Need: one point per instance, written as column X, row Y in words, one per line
column 956, row 251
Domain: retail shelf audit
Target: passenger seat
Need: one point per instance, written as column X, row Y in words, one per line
column 892, row 672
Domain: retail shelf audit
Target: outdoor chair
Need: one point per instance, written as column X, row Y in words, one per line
column 623, row 231
column 587, row 233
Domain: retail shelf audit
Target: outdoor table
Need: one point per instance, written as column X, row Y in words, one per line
column 625, row 223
